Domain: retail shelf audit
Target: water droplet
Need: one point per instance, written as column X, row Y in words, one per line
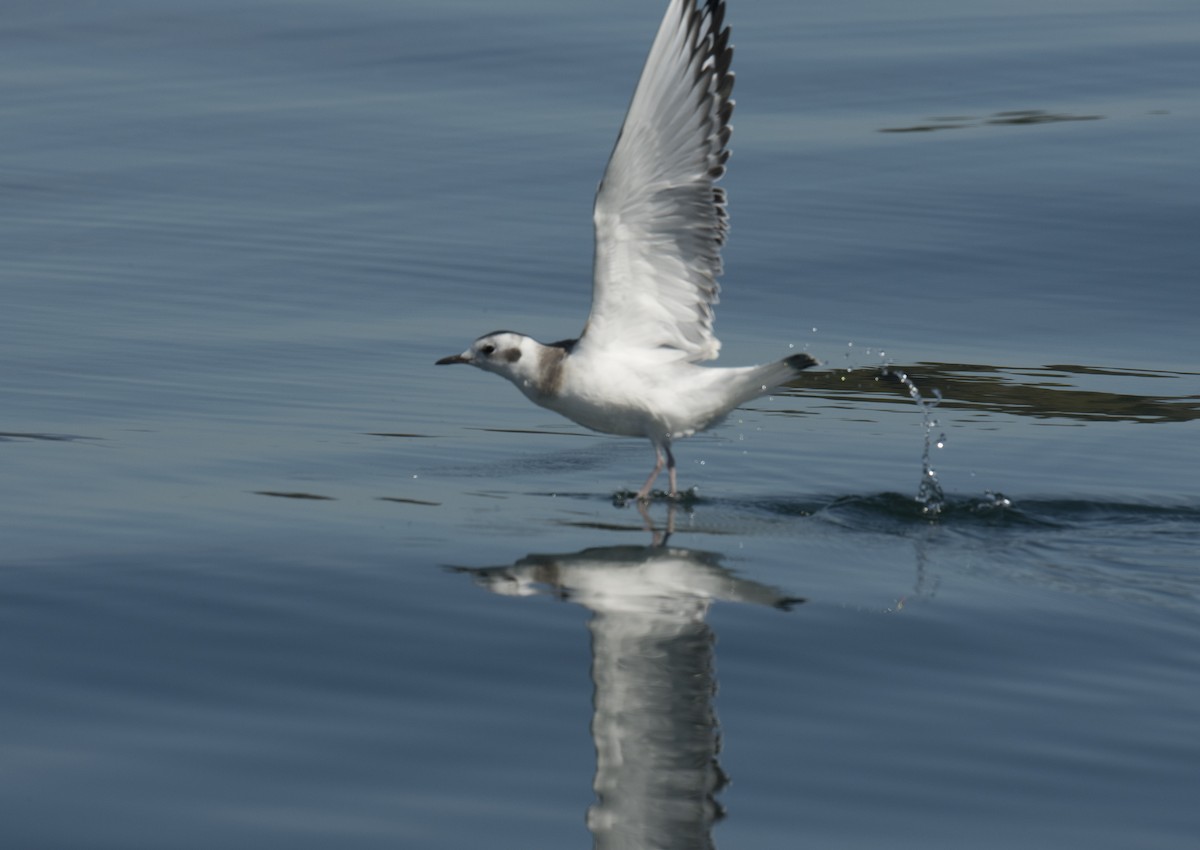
column 999, row 500
column 929, row 493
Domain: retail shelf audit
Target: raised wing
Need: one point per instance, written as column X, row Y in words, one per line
column 660, row 221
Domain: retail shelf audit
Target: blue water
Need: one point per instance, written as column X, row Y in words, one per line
column 269, row 578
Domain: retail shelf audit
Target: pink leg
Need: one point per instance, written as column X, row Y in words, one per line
column 671, row 471
column 644, row 494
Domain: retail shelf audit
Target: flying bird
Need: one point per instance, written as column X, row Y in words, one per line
column 660, row 222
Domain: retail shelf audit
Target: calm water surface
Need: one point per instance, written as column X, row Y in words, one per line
column 271, row 579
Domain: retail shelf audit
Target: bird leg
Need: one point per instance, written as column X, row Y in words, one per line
column 644, row 494
column 671, row 471
column 658, row 538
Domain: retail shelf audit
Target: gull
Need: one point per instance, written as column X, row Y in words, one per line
column 660, row 222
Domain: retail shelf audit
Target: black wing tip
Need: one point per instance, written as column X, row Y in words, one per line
column 800, row 362
column 710, row 39
column 715, row 8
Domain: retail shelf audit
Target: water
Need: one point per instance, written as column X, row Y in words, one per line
column 271, row 579
column 929, row 493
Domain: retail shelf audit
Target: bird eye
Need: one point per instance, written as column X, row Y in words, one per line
column 488, row 350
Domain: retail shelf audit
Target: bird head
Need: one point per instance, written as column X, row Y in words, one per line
column 500, row 352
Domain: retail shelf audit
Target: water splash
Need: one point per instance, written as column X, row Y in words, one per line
column 992, row 502
column 929, row 494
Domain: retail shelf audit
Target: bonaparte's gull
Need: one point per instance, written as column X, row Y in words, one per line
column 660, row 222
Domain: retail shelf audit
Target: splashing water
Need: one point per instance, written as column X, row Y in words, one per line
column 930, row 493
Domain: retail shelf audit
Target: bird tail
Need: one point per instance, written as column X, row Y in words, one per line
column 763, row 379
column 749, row 382
column 731, row 388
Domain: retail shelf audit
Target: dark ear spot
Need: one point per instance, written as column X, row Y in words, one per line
column 512, row 355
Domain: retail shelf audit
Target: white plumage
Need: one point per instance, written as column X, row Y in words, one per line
column 660, row 222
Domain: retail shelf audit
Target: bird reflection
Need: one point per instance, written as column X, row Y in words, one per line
column 655, row 731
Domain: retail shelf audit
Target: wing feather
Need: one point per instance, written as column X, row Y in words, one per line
column 660, row 221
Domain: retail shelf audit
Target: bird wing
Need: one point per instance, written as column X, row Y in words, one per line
column 660, row 220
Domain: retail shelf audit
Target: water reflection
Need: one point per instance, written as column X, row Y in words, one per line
column 1055, row 391
column 1010, row 117
column 656, row 734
